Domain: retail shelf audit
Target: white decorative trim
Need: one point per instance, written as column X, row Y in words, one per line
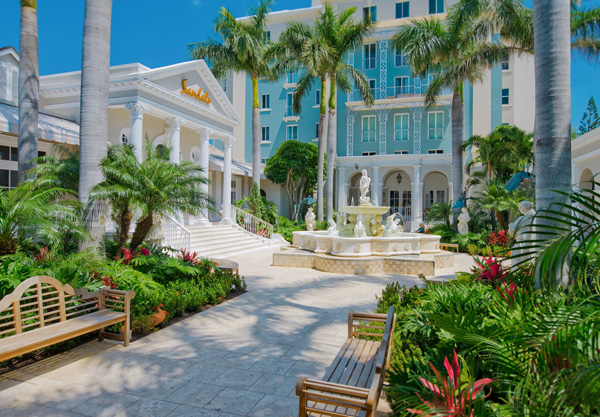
column 195, row 154
column 228, row 142
column 175, row 122
column 124, row 131
column 137, row 109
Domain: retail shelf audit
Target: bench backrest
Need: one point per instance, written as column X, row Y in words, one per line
column 41, row 301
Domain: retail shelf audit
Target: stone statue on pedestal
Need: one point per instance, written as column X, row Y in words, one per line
column 363, row 186
column 310, row 220
column 332, row 230
column 520, row 229
column 463, row 221
column 359, row 229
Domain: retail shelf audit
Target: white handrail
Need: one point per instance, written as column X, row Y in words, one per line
column 251, row 223
column 175, row 234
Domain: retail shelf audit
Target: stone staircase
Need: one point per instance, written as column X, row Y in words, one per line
column 222, row 241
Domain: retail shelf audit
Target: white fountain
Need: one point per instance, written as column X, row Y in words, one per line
column 364, row 234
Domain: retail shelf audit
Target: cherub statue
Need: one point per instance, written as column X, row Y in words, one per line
column 332, row 230
column 520, row 228
column 390, row 227
column 463, row 221
column 310, row 220
column 363, row 186
column 359, row 229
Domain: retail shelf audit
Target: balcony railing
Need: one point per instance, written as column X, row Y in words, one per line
column 251, row 223
column 398, row 92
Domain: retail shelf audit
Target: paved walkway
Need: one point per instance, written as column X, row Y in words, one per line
column 241, row 358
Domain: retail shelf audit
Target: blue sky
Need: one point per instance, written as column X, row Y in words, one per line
column 156, row 32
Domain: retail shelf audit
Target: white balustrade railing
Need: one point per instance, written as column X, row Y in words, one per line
column 251, row 223
column 175, row 234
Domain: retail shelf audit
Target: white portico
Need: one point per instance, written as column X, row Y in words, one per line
column 409, row 184
column 181, row 106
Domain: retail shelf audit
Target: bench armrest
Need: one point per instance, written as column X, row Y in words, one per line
column 324, row 397
column 117, row 299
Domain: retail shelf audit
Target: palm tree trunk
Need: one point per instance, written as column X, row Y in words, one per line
column 322, row 146
column 124, row 224
column 458, row 121
column 255, row 133
column 552, row 129
column 142, row 228
column 93, row 137
column 29, row 88
column 331, row 145
column 552, row 137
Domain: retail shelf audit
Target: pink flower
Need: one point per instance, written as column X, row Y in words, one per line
column 144, row 251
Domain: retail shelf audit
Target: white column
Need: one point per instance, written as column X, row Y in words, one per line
column 376, row 187
column 137, row 110
column 417, row 197
column 228, row 147
column 204, row 155
column 175, row 138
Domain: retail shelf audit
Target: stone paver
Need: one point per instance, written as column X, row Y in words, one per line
column 241, row 358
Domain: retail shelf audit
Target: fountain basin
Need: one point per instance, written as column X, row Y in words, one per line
column 352, row 247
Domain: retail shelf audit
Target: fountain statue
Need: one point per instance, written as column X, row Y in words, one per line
column 520, row 229
column 463, row 221
column 359, row 229
column 363, row 186
column 390, row 227
column 310, row 220
column 332, row 230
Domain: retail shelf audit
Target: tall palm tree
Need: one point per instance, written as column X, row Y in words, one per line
column 341, row 35
column 242, row 50
column 585, row 31
column 29, row 88
column 552, row 136
column 300, row 46
column 452, row 52
column 93, row 137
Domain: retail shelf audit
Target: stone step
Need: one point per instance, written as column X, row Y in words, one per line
column 195, row 237
column 230, row 250
column 225, row 245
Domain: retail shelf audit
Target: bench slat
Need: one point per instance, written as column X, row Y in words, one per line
column 348, row 361
column 45, row 336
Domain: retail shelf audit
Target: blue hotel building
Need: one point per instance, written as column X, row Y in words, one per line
column 405, row 147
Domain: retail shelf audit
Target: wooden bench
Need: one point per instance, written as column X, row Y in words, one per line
column 226, row 265
column 352, row 384
column 42, row 311
column 448, row 246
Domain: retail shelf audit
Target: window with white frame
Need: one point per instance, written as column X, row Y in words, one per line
column 267, row 36
column 505, row 96
column 368, row 153
column 289, row 110
column 435, row 125
column 370, row 11
column 373, row 87
column 435, row 151
column 401, row 127
column 400, row 60
column 264, row 160
column 265, row 102
column 505, row 64
column 368, row 128
column 436, row 6
column 291, row 132
column 400, row 86
column 316, row 130
column 401, row 152
column 402, row 9
column 318, row 98
column 369, row 56
column 292, row 77
column 265, row 134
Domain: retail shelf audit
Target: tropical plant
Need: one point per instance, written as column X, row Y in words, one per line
column 451, row 52
column 441, row 211
column 590, row 119
column 152, row 188
column 259, row 206
column 585, row 30
column 242, row 49
column 300, row 46
column 489, row 270
column 294, row 166
column 35, row 211
column 29, row 88
column 63, row 168
column 493, row 196
column 340, row 35
column 93, row 120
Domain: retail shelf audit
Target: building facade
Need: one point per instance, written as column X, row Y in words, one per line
column 405, row 147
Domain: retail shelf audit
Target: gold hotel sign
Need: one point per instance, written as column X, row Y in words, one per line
column 196, row 94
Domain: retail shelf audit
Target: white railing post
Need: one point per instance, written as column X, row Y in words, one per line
column 251, row 223
column 175, row 234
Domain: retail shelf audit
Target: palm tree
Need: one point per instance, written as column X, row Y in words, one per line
column 62, row 168
column 151, row 188
column 495, row 198
column 552, row 137
column 36, row 209
column 452, row 52
column 93, row 137
column 29, row 88
column 301, row 46
column 242, row 50
column 585, row 31
column 341, row 35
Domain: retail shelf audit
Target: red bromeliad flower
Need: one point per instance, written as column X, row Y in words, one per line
column 191, row 257
column 449, row 398
column 145, row 252
column 128, row 255
column 499, row 238
column 508, row 293
column 490, row 269
column 44, row 255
